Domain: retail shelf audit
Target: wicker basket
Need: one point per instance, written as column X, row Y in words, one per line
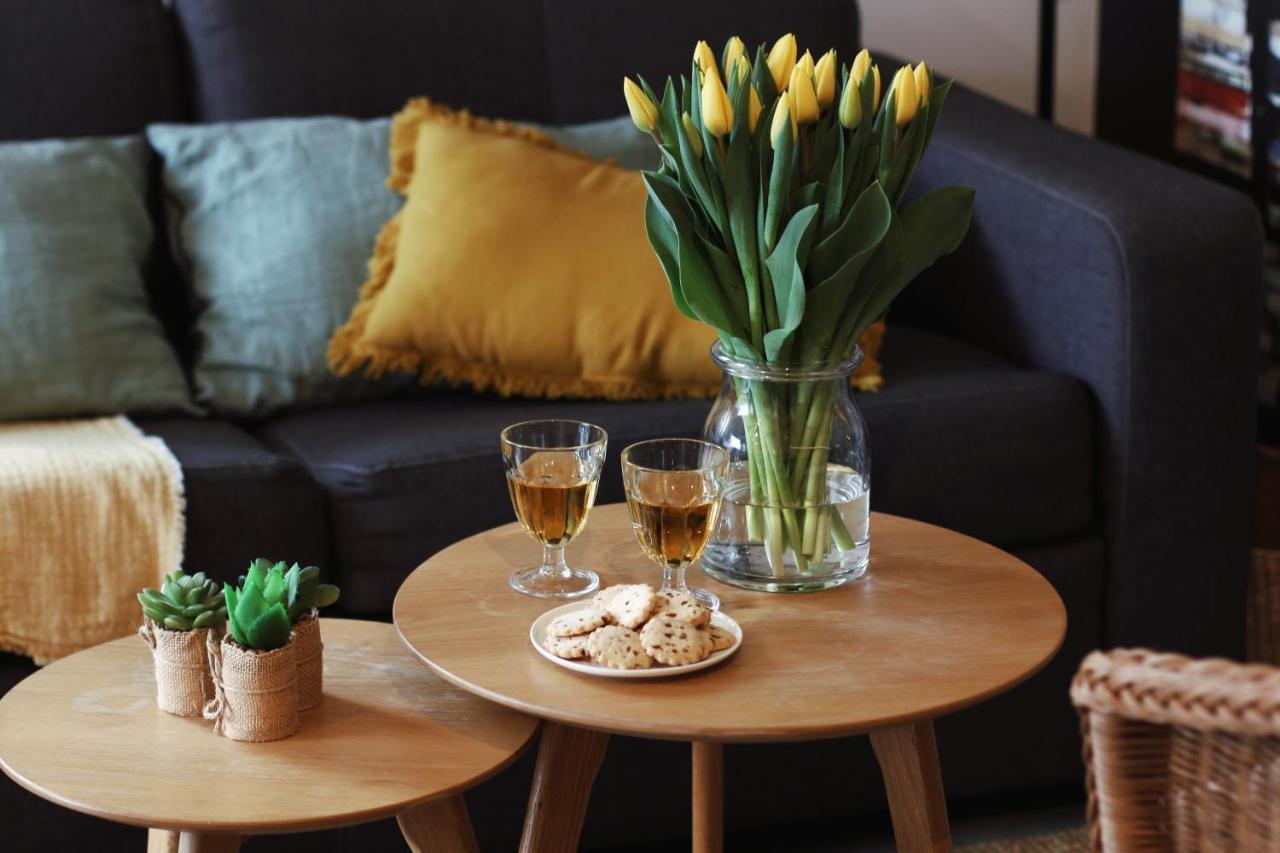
column 255, row 693
column 1180, row 754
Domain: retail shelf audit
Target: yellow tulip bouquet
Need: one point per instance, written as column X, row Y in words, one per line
column 777, row 217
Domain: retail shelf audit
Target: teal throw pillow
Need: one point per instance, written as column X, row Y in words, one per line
column 77, row 335
column 274, row 222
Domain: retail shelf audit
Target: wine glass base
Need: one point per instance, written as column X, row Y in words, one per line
column 536, row 582
column 706, row 597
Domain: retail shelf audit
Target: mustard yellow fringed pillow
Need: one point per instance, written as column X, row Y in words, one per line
column 519, row 266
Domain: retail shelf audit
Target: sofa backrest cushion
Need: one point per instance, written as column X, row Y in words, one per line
column 71, row 68
column 552, row 61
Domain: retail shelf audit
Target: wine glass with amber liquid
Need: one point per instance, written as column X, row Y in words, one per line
column 553, row 468
column 674, row 486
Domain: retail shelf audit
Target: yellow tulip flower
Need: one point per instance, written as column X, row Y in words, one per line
column 851, row 104
column 705, row 59
column 753, row 110
column 861, row 65
column 804, row 99
column 906, row 101
column 691, row 132
column 824, row 79
column 717, row 112
column 806, row 63
column 644, row 112
column 781, row 59
column 923, row 77
column 733, row 49
column 782, row 119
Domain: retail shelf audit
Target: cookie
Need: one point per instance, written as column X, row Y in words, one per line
column 575, row 622
column 631, row 605
column 718, row 637
column 600, row 601
column 569, row 648
column 682, row 605
column 674, row 641
column 617, row 647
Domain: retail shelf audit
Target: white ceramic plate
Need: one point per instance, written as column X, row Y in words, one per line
column 538, row 630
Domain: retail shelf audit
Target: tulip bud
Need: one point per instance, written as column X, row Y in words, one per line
column 923, row 76
column 705, row 59
column 875, row 95
column 644, row 112
column 717, row 112
column 851, row 104
column 906, row 101
column 781, row 59
column 806, row 63
column 782, row 120
column 741, row 68
column 824, row 79
column 804, row 98
column 861, row 65
column 753, row 110
column 733, row 49
column 691, row 131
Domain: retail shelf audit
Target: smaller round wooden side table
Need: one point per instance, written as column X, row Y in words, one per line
column 942, row 621
column 390, row 739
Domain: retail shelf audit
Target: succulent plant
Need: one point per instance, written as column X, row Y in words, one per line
column 305, row 590
column 184, row 602
column 256, row 612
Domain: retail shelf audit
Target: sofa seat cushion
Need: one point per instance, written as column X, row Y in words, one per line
column 244, row 500
column 958, row 438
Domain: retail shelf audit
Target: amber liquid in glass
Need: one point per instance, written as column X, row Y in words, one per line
column 551, row 496
column 673, row 516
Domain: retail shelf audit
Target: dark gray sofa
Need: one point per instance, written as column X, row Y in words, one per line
column 1075, row 384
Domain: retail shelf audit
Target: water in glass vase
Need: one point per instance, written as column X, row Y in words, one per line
column 552, row 496
column 839, row 526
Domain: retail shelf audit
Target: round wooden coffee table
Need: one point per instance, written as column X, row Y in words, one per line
column 941, row 621
column 389, row 739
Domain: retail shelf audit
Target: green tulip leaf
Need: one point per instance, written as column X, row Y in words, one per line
column 933, row 225
column 786, row 269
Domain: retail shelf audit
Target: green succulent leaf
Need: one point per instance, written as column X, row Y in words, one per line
column 326, row 595
column 270, row 629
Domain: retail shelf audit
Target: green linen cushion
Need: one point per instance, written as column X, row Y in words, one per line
column 77, row 336
column 274, row 221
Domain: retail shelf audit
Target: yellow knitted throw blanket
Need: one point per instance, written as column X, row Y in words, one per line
column 91, row 511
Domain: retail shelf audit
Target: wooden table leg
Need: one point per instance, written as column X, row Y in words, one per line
column 908, row 757
column 708, row 797
column 568, row 759
column 207, row 842
column 441, row 825
column 162, row 841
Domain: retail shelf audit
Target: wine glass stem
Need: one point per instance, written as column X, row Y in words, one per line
column 673, row 578
column 553, row 561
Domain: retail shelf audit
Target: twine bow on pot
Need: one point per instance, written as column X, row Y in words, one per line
column 215, row 708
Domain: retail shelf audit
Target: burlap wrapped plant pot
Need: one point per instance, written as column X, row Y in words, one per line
column 183, row 681
column 310, row 653
column 255, row 693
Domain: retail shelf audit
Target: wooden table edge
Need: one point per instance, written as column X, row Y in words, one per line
column 275, row 827
column 789, row 735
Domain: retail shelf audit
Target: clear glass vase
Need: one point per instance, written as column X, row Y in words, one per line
column 796, row 512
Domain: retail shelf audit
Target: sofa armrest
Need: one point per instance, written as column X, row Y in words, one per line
column 1144, row 282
